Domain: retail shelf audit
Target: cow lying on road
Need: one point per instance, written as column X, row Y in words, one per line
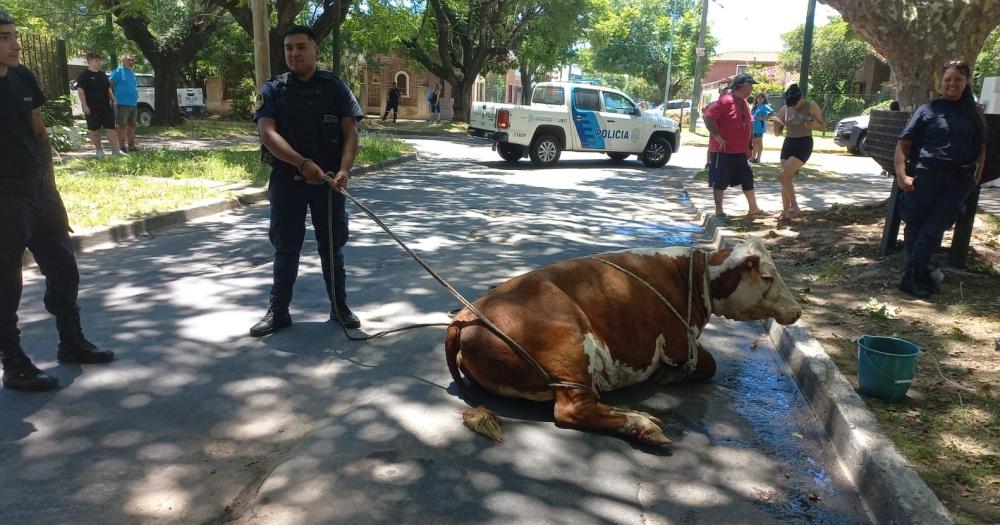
column 608, row 321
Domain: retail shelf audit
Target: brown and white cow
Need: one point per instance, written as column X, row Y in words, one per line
column 589, row 322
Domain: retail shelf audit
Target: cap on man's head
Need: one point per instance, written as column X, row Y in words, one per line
column 5, row 19
column 742, row 79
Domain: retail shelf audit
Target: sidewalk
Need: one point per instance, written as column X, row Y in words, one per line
column 858, row 181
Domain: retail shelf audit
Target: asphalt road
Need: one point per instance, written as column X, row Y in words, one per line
column 198, row 423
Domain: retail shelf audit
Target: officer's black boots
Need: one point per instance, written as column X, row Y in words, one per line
column 349, row 319
column 925, row 280
column 19, row 373
column 274, row 320
column 74, row 347
column 910, row 285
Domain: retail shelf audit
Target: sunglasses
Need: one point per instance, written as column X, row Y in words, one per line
column 960, row 65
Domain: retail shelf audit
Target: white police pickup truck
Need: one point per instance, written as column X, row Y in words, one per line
column 566, row 116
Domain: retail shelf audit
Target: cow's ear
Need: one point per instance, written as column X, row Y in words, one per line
column 752, row 263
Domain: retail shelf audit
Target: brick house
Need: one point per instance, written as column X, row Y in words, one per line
column 728, row 64
column 413, row 82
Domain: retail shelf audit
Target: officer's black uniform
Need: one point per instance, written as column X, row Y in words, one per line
column 32, row 216
column 308, row 116
column 945, row 145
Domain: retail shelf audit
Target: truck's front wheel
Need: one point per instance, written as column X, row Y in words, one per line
column 544, row 151
column 510, row 152
column 657, row 152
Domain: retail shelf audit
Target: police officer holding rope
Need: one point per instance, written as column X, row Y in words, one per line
column 32, row 216
column 308, row 124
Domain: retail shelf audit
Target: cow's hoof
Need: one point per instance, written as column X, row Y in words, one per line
column 645, row 429
column 650, row 417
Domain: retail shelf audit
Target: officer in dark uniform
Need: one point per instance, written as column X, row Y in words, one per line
column 32, row 216
column 308, row 123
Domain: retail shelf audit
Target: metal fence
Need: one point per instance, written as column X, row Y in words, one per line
column 46, row 57
column 837, row 106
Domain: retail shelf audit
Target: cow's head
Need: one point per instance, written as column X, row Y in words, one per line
column 745, row 285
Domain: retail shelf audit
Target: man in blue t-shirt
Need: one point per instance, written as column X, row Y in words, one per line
column 126, row 92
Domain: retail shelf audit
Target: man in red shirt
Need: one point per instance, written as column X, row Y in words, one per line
column 730, row 125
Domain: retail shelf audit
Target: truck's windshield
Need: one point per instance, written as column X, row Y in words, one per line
column 553, row 95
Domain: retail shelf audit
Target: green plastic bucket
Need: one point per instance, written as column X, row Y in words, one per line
column 886, row 366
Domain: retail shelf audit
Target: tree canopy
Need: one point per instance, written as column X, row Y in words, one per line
column 633, row 37
column 916, row 36
column 837, row 54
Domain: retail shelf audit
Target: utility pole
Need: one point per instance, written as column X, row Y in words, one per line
column 699, row 67
column 110, row 28
column 261, row 47
column 335, row 35
column 807, row 46
column 670, row 56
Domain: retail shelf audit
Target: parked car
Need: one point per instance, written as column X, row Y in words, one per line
column 147, row 98
column 679, row 104
column 575, row 117
column 852, row 133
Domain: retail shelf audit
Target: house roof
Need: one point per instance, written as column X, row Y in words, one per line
column 747, row 56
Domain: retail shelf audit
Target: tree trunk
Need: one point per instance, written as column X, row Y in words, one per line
column 526, row 81
column 461, row 91
column 918, row 37
column 661, row 84
column 276, row 50
column 166, row 78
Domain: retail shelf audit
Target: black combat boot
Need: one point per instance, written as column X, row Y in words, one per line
column 19, row 373
column 274, row 320
column 909, row 283
column 74, row 347
column 349, row 319
column 925, row 280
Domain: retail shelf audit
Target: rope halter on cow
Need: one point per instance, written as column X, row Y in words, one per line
column 692, row 333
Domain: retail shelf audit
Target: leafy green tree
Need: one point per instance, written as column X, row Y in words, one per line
column 988, row 63
column 316, row 14
column 837, row 54
column 550, row 41
column 169, row 36
column 633, row 36
column 917, row 36
column 457, row 40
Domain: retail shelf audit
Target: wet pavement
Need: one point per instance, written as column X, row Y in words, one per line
column 198, row 423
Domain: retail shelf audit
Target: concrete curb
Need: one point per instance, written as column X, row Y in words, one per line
column 145, row 226
column 893, row 492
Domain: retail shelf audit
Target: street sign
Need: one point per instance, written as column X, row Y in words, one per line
column 699, row 52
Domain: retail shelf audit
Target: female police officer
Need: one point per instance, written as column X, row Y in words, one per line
column 32, row 216
column 948, row 138
column 307, row 119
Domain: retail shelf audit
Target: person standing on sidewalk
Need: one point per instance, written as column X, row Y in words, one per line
column 436, row 105
column 392, row 103
column 32, row 216
column 729, row 123
column 308, row 121
column 761, row 112
column 94, row 90
column 939, row 160
column 126, row 101
column 800, row 117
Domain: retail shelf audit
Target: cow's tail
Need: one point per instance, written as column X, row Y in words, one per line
column 480, row 419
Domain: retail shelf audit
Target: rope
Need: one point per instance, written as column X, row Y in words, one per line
column 441, row 280
column 692, row 336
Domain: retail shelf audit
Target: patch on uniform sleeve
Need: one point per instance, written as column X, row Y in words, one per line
column 259, row 101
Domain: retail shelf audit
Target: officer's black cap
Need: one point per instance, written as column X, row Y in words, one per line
column 296, row 29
